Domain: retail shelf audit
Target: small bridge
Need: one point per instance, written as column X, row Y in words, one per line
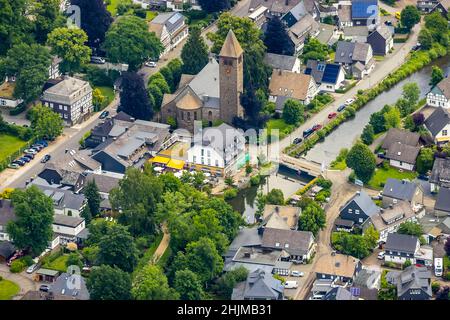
column 301, row 164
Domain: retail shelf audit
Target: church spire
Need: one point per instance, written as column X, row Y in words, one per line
column 231, row 47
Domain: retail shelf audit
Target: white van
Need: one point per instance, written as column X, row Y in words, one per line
column 438, row 262
column 291, row 285
column 98, row 60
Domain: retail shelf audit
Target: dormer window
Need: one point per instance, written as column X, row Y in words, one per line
column 356, row 211
column 277, row 244
column 286, row 245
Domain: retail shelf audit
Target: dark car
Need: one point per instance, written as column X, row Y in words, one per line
column 423, row 177
column 46, row 158
column 297, row 140
column 341, row 108
column 19, row 162
column 37, row 146
column 381, row 155
column 317, row 127
column 388, row 23
column 25, row 159
column 42, row 142
column 416, row 47
column 29, row 156
column 104, row 114
column 44, row 287
column 307, row 132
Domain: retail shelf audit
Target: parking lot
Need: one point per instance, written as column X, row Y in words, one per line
column 306, row 269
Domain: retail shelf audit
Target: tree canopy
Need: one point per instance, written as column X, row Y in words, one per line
column 361, row 159
column 194, row 53
column 293, row 112
column 312, row 219
column 276, row 38
column 151, row 284
column 410, row 16
column 134, row 99
column 109, row 283
column 214, row 6
column 47, row 16
column 45, row 122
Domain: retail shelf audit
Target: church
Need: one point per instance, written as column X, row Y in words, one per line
column 213, row 94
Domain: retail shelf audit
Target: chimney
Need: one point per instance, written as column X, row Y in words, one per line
column 287, row 2
column 277, row 209
column 358, row 193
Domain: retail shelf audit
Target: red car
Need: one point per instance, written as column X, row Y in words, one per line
column 317, row 127
column 332, row 115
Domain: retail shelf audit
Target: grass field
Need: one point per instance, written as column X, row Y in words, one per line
column 8, row 289
column 381, row 175
column 108, row 92
column 58, row 264
column 9, row 145
column 283, row 127
column 151, row 15
column 112, row 7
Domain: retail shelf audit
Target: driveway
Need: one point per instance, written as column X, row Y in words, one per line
column 22, row 279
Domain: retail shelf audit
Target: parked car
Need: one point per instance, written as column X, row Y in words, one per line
column 32, row 268
column 44, row 287
column 317, row 127
column 416, row 47
column 298, row 140
column 46, row 158
column 381, row 155
column 104, row 114
column 19, row 162
column 98, row 60
column 349, row 101
column 297, row 273
column 307, row 132
column 25, row 159
column 42, row 142
column 332, row 115
column 388, row 23
column 381, row 255
column 423, row 177
column 13, row 166
column 32, row 151
column 341, row 107
column 291, row 285
column 37, row 147
column 150, row 64
column 29, row 156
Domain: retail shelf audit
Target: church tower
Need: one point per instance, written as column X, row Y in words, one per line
column 231, row 78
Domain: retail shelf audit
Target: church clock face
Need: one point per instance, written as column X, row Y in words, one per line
column 228, row 70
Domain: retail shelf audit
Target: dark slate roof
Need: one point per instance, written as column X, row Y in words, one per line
column 338, row 293
column 443, row 200
column 67, row 221
column 344, row 52
column 401, row 242
column 331, row 73
column 65, row 282
column 437, row 121
column 247, row 237
column 402, row 152
column 6, row 212
column 403, row 136
column 124, row 117
column 104, row 183
column 7, row 249
column 399, row 189
column 366, row 204
column 292, row 241
column 441, row 171
column 316, row 69
column 362, row 8
column 413, row 278
column 259, row 285
column 278, row 61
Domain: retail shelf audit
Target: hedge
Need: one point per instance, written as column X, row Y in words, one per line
column 417, row 61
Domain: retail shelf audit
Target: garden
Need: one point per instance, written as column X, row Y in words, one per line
column 9, row 146
column 382, row 174
column 8, row 289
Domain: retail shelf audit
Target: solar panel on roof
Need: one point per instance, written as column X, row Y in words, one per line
column 364, row 8
column 331, row 73
column 174, row 18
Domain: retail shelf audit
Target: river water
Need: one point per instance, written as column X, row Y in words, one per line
column 346, row 134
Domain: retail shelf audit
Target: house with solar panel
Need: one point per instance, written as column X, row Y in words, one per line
column 365, row 13
column 328, row 76
column 170, row 28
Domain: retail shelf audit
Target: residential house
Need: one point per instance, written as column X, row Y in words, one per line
column 275, row 8
column 131, row 145
column 439, row 96
column 281, row 217
column 70, row 285
column 253, row 258
column 402, row 148
column 105, row 183
column 438, row 124
column 299, row 245
column 442, row 205
column 7, row 250
column 396, row 135
column 65, row 202
column 427, row 6
column 170, row 28
column 328, row 76
column 339, row 293
column 46, row 275
column 396, row 190
column 71, row 99
column 7, row 98
column 365, row 13
column 69, row 229
column 327, row 34
column 356, row 58
column 306, row 27
column 381, row 40
column 221, row 150
column 359, row 209
column 401, row 247
column 440, row 175
column 442, row 7
column 413, row 283
column 344, row 15
column 6, row 215
column 355, row 34
column 340, row 269
column 259, row 16
column 180, row 5
column 282, row 62
column 53, row 69
column 290, row 85
column 259, row 285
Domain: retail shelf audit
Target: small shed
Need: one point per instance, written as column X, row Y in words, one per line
column 46, row 275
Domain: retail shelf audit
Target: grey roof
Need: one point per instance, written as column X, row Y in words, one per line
column 444, row 87
column 305, row 24
column 326, row 33
column 383, row 31
column 280, row 6
column 47, row 272
column 222, row 138
column 443, row 200
column 441, row 171
column 345, row 13
column 403, row 136
column 6, row 212
column 292, row 241
column 401, row 242
column 246, row 237
column 413, row 278
column 402, row 152
column 104, row 182
column 278, row 61
column 316, row 69
column 7, row 249
column 344, row 52
column 437, row 121
column 367, row 278
column 67, row 284
column 361, row 51
column 67, row 221
column 360, row 31
column 206, row 82
column 62, row 199
column 344, row 222
column 67, row 91
column 123, row 117
column 172, row 20
column 365, row 203
column 259, row 285
column 338, row 293
column 399, row 189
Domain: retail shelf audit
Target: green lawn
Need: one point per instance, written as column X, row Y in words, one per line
column 9, row 145
column 381, row 175
column 108, row 92
column 283, row 127
column 151, row 15
column 8, row 289
column 339, row 165
column 148, row 255
column 58, row 264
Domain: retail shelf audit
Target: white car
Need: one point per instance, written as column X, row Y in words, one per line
column 32, row 268
column 381, row 255
column 297, row 273
column 349, row 101
column 150, row 64
column 32, row 151
column 291, row 285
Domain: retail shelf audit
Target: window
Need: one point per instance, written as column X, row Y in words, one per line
column 188, row 116
column 360, row 220
column 60, row 106
column 444, row 133
column 217, row 163
column 203, row 160
column 209, row 153
column 277, row 244
column 194, row 158
column 195, row 115
column 356, row 211
column 209, row 161
column 203, row 152
column 350, row 210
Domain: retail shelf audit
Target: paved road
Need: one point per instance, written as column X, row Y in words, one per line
column 382, row 69
column 22, row 279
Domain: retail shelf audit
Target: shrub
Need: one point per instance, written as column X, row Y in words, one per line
column 28, row 260
column 447, row 276
column 230, row 193
column 255, row 180
column 435, row 286
column 17, row 266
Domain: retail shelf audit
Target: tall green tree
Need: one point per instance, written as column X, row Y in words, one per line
column 47, row 16
column 134, row 99
column 314, row 50
column 45, row 122
column 109, row 283
column 33, row 227
column 312, row 219
column 436, row 75
column 15, row 27
column 129, row 41
column 69, row 44
column 436, row 24
column 409, row 17
column 188, row 285
column 410, row 97
column 93, row 198
column 425, row 39
column 293, row 112
column 276, row 38
column 411, row 228
column 368, row 134
column 151, row 283
column 425, row 160
column 215, row 6
column 361, row 159
column 392, row 118
column 275, row 196
column 117, row 249
column 194, row 53
column 225, row 284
